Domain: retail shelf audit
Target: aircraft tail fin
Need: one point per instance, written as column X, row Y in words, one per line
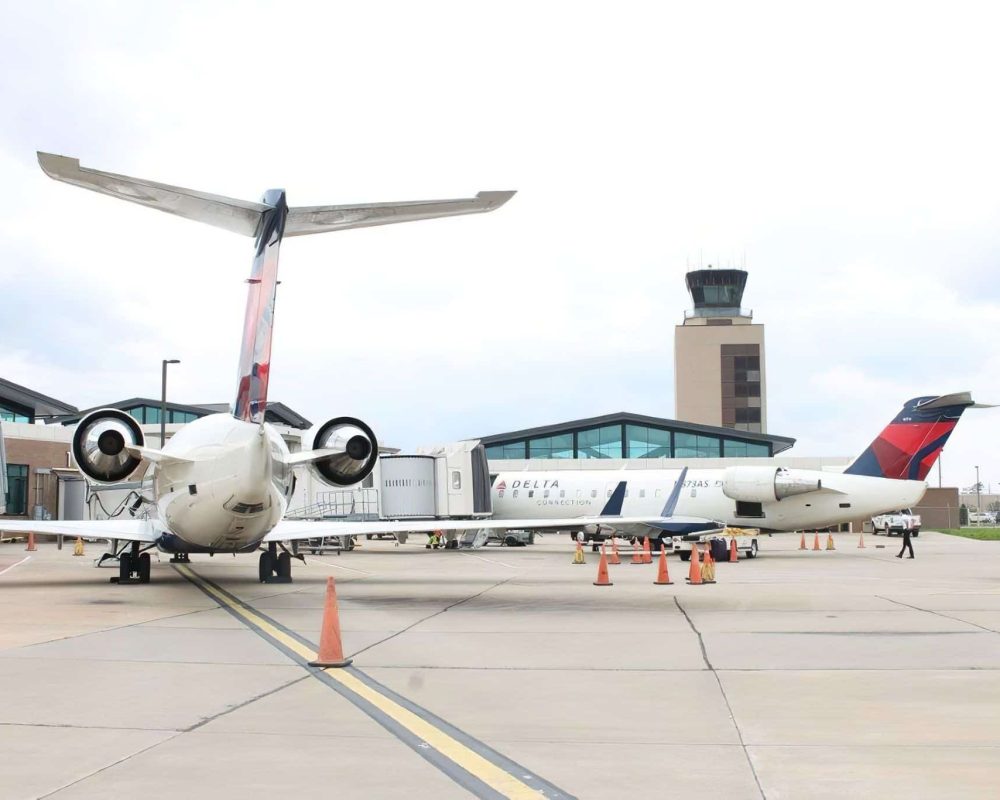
column 909, row 445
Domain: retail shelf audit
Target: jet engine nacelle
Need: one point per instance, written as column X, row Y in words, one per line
column 766, row 484
column 357, row 451
column 99, row 445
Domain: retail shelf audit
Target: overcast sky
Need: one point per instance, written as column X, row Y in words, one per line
column 846, row 153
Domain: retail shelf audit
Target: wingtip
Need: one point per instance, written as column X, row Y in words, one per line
column 494, row 200
column 55, row 166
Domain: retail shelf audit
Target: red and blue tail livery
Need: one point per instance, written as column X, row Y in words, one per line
column 910, row 444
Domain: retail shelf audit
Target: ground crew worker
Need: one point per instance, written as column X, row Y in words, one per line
column 907, row 544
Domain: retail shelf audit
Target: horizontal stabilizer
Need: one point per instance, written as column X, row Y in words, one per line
column 237, row 216
column 244, row 217
column 321, row 219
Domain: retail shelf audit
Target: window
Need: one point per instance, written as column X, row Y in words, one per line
column 560, row 446
column 10, row 415
column 689, row 445
column 600, row 442
column 646, row 442
column 507, row 450
column 17, row 489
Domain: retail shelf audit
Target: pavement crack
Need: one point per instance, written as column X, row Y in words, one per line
column 937, row 614
column 725, row 697
column 245, row 703
column 109, row 766
column 435, row 614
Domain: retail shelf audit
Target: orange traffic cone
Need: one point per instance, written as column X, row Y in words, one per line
column 829, row 542
column 816, row 541
column 31, row 543
column 734, row 555
column 637, row 556
column 331, row 652
column 647, row 556
column 694, row 574
column 615, row 559
column 861, row 541
column 578, row 556
column 802, row 541
column 602, row 571
column 662, row 576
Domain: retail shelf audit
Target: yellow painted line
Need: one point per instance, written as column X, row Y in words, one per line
column 488, row 772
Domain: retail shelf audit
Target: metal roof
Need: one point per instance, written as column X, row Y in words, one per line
column 40, row 404
column 277, row 412
column 779, row 443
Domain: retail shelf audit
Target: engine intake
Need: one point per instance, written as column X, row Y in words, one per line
column 100, row 442
column 357, row 451
column 766, row 484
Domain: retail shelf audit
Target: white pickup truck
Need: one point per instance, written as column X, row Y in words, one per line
column 897, row 522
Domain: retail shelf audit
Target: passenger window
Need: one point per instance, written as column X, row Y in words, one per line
column 642, row 493
column 545, row 493
column 531, row 492
column 562, row 492
column 593, row 492
column 515, row 493
column 609, row 493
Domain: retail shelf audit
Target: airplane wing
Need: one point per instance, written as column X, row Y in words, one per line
column 132, row 530
column 290, row 529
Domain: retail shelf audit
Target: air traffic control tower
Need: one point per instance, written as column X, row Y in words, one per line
column 719, row 355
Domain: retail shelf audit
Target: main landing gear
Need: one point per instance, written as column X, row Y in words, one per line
column 275, row 567
column 133, row 566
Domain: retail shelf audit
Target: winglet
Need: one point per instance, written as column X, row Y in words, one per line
column 613, row 508
column 675, row 494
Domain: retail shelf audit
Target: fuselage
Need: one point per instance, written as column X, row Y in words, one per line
column 560, row 494
column 225, row 487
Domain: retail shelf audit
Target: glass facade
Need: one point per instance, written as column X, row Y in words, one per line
column 732, row 448
column 507, row 450
column 560, row 446
column 10, row 415
column 689, row 445
column 17, row 489
column 627, row 440
column 646, row 442
column 150, row 415
column 603, row 442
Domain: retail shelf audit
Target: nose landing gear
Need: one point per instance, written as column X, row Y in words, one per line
column 275, row 567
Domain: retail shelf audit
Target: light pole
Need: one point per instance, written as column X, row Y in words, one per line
column 163, row 401
column 978, row 489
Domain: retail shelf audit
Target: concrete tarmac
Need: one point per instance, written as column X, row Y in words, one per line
column 492, row 673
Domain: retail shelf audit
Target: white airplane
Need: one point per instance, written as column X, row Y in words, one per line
column 222, row 483
column 889, row 474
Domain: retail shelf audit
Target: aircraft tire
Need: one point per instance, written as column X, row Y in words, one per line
column 264, row 567
column 143, row 568
column 752, row 552
column 124, row 567
column 284, row 566
column 684, row 554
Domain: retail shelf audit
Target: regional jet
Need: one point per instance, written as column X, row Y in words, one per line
column 889, row 474
column 223, row 482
